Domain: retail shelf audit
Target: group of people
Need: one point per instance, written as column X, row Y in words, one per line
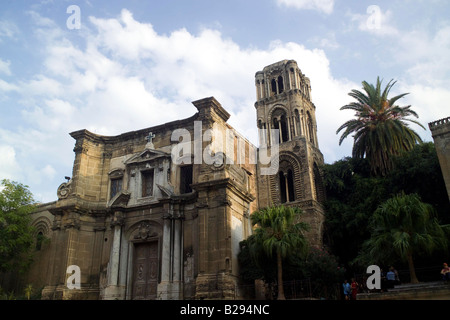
column 350, row 290
column 388, row 280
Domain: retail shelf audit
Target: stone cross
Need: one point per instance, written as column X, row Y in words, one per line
column 150, row 137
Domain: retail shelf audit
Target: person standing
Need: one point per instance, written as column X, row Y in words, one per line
column 391, row 277
column 347, row 289
column 445, row 272
column 354, row 288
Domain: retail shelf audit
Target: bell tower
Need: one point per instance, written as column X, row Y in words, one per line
column 286, row 121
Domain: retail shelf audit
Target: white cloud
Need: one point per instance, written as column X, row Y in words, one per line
column 9, row 168
column 429, row 102
column 8, row 29
column 42, row 85
column 325, row 6
column 4, row 67
column 327, row 42
column 425, row 55
column 6, row 86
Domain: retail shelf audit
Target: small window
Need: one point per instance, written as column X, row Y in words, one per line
column 39, row 240
column 290, row 183
column 286, row 184
column 147, row 183
column 116, row 186
column 186, row 179
column 274, row 86
column 280, row 85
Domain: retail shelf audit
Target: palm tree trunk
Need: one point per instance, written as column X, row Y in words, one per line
column 412, row 270
column 280, row 278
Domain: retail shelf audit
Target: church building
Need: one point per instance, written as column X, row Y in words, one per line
column 158, row 213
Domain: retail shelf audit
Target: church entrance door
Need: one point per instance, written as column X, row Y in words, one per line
column 145, row 271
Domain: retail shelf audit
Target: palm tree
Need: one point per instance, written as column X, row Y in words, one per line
column 380, row 129
column 402, row 226
column 278, row 231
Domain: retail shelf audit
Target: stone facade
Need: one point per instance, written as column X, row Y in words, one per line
column 158, row 213
column 440, row 131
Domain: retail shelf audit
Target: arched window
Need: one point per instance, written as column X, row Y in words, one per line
column 279, row 122
column 280, row 84
column 290, row 188
column 39, row 240
column 286, row 183
column 273, row 84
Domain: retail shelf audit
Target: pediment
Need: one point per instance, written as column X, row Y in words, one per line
column 120, row 200
column 165, row 191
column 147, row 155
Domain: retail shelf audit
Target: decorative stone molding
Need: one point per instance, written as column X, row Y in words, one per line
column 118, row 219
column 64, row 190
column 81, row 149
column 439, row 122
column 145, row 231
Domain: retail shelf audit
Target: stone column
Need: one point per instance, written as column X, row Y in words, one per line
column 170, row 287
column 113, row 290
column 177, row 254
column 279, row 129
column 115, row 256
column 258, row 96
column 286, row 186
column 165, row 256
column 288, row 120
column 289, row 79
column 296, row 79
column 164, row 288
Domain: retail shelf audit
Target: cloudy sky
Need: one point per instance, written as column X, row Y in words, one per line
column 117, row 66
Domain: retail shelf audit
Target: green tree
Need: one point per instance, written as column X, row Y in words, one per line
column 404, row 226
column 353, row 195
column 380, row 130
column 16, row 233
column 418, row 171
column 278, row 232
